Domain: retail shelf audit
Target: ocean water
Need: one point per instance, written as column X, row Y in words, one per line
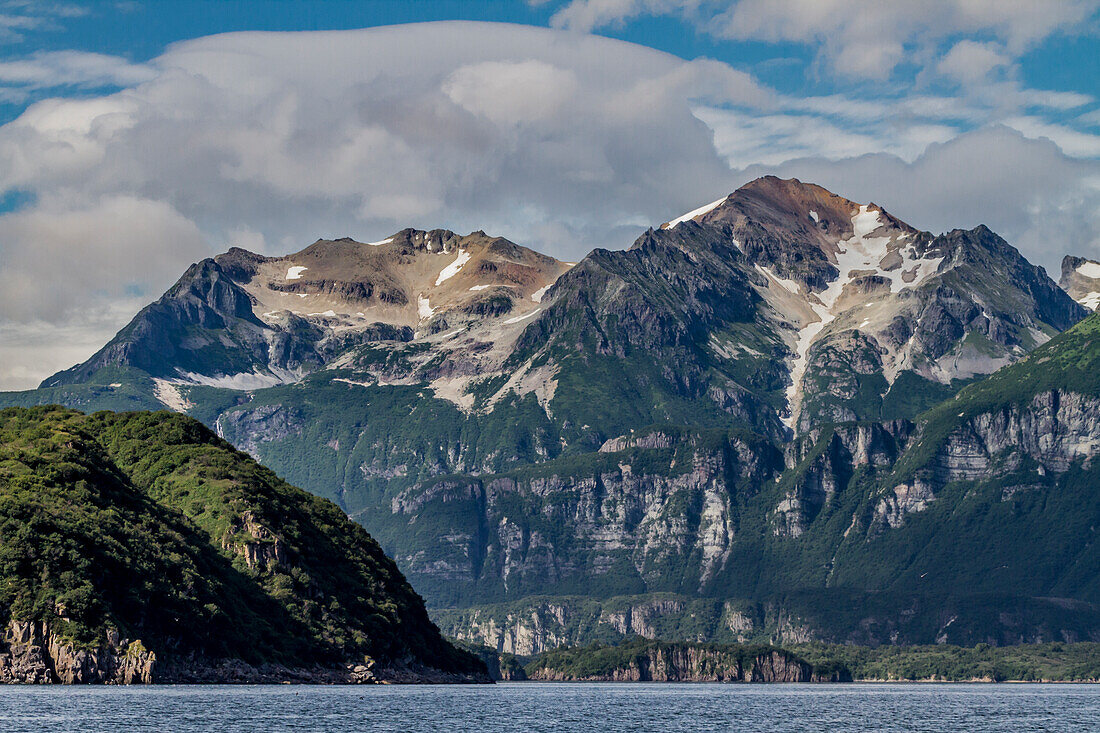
column 555, row 707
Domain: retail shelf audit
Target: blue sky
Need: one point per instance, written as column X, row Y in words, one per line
column 134, row 140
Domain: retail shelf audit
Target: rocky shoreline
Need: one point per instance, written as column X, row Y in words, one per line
column 31, row 653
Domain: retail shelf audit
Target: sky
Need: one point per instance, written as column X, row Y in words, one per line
column 139, row 136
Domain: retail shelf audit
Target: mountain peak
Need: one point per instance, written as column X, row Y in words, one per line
column 1081, row 279
column 805, row 210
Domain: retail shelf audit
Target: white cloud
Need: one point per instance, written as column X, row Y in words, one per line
column 860, row 38
column 587, row 15
column 1073, row 142
column 512, row 93
column 745, row 138
column 291, row 133
column 32, row 350
column 19, row 16
column 970, row 62
column 72, row 68
column 60, row 258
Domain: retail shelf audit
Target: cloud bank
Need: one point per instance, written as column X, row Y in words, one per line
column 556, row 139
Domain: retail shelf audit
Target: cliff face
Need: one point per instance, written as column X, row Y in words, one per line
column 678, row 511
column 661, row 662
column 631, row 512
column 33, row 654
column 1046, row 435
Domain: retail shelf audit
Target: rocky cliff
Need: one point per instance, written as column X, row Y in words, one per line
column 647, row 661
column 33, row 654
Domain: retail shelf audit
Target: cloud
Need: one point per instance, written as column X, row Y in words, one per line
column 858, row 38
column 301, row 135
column 19, row 16
column 72, row 68
column 588, row 15
column 73, row 275
column 56, row 255
column 512, row 93
column 970, row 62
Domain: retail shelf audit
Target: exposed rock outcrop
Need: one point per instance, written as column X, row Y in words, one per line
column 33, row 654
column 1047, row 434
column 658, row 662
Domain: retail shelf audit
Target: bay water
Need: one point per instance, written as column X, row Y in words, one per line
column 528, row 707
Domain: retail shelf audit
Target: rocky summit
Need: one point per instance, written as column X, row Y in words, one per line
column 1081, row 279
column 810, row 417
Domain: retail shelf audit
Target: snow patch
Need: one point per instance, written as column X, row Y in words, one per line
column 697, row 212
column 1089, row 269
column 1090, row 301
column 452, row 333
column 815, row 217
column 790, row 285
column 169, row 395
column 537, row 295
column 302, row 295
column 243, row 380
column 476, row 288
column 452, row 269
column 423, row 307
column 295, row 272
column 379, row 244
column 352, row 381
column 859, row 253
column 524, row 317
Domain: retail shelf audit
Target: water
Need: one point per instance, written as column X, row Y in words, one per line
column 555, row 707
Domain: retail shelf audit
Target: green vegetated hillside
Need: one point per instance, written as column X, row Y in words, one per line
column 116, row 528
column 535, row 624
column 648, row 660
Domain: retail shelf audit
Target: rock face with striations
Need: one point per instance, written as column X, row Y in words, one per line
column 33, row 654
column 643, row 661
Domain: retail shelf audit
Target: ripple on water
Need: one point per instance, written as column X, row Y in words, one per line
column 555, row 707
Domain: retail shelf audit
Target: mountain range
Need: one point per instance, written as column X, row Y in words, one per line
column 772, row 418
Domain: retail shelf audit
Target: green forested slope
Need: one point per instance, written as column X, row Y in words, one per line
column 148, row 524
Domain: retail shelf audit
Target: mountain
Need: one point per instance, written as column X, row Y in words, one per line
column 1081, row 280
column 679, row 417
column 976, row 523
column 139, row 547
column 244, row 321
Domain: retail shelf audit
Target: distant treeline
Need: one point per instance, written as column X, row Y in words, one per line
column 1053, row 662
